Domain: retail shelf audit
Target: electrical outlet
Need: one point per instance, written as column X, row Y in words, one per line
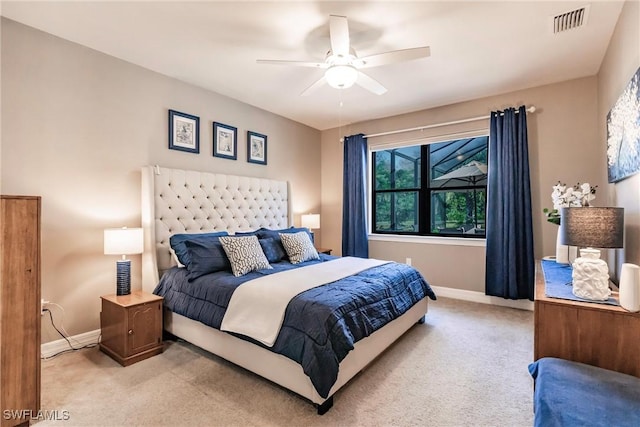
column 42, row 304
column 408, row 261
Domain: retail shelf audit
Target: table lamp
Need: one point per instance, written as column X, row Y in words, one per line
column 310, row 221
column 123, row 241
column 590, row 228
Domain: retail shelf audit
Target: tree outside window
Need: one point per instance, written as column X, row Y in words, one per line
column 431, row 189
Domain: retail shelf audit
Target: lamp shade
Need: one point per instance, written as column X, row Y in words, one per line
column 341, row 76
column 123, row 241
column 592, row 227
column 310, row 221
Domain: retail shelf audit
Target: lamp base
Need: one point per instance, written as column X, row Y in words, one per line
column 123, row 277
column 591, row 276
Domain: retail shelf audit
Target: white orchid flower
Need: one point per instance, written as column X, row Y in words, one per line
column 569, row 197
column 586, row 188
column 563, row 197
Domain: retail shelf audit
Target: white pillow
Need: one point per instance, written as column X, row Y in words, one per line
column 245, row 254
column 299, row 247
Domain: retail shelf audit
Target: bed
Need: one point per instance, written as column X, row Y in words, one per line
column 183, row 202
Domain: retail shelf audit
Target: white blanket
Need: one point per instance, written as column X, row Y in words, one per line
column 257, row 307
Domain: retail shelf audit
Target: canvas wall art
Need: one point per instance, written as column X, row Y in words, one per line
column 623, row 133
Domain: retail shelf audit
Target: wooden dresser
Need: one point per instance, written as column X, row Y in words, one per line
column 19, row 309
column 601, row 335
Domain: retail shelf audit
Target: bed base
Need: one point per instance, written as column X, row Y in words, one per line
column 283, row 371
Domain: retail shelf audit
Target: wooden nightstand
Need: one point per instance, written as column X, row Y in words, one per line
column 324, row 251
column 131, row 326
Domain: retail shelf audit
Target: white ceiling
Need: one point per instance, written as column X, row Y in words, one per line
column 478, row 48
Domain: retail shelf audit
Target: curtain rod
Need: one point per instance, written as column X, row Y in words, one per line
column 423, row 138
column 531, row 109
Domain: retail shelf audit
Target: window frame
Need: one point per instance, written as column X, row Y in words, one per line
column 424, row 191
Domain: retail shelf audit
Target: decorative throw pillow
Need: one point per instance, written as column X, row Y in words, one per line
column 273, row 250
column 299, row 247
column 177, row 242
column 206, row 257
column 245, row 254
column 265, row 233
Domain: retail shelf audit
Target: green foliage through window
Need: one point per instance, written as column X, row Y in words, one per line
column 434, row 189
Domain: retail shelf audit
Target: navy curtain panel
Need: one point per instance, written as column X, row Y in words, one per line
column 510, row 263
column 354, row 194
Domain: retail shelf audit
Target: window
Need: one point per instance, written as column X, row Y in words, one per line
column 435, row 189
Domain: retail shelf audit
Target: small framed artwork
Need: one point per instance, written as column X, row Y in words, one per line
column 225, row 141
column 184, row 132
column 256, row 148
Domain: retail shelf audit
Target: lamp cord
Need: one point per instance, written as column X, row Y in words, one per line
column 72, row 348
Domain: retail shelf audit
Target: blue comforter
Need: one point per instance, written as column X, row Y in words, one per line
column 321, row 325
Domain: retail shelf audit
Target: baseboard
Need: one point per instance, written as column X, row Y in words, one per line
column 481, row 298
column 53, row 347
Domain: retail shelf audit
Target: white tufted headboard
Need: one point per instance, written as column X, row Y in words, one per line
column 181, row 201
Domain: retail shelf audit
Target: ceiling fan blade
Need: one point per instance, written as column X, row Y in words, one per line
column 294, row 63
column 339, row 33
column 395, row 56
column 370, row 84
column 315, row 86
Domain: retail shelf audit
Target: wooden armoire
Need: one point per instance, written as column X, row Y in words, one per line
column 19, row 309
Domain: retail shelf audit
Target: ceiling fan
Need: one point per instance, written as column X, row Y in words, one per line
column 343, row 66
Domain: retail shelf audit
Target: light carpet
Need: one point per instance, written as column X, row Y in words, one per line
column 466, row 366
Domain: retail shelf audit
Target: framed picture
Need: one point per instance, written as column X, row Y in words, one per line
column 225, row 141
column 623, row 133
column 256, row 148
column 184, row 132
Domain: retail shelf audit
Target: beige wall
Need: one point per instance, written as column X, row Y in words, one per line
column 563, row 145
column 620, row 63
column 77, row 127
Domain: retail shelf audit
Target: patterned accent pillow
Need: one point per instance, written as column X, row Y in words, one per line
column 245, row 254
column 299, row 247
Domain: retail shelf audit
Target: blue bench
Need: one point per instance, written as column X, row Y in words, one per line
column 574, row 394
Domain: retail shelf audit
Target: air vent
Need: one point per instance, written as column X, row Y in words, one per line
column 570, row 20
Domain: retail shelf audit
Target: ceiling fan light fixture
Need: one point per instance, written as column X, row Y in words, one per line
column 341, row 76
